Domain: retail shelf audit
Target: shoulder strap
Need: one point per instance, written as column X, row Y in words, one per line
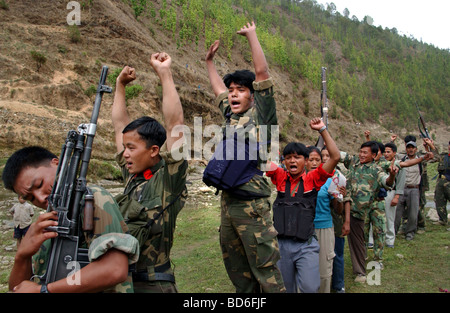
column 152, row 221
column 290, row 194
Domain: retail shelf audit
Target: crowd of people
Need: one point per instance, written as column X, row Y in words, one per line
column 295, row 244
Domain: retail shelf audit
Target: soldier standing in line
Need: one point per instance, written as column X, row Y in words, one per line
column 442, row 191
column 364, row 178
column 155, row 189
column 247, row 235
column 409, row 202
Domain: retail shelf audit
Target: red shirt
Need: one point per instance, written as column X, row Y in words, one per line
column 314, row 179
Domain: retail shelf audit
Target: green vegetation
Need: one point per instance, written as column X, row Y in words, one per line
column 4, row 5
column 39, row 58
column 371, row 71
column 90, row 91
column 73, row 33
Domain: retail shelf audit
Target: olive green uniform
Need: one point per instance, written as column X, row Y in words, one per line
column 150, row 205
column 442, row 191
column 376, row 216
column 363, row 181
column 247, row 235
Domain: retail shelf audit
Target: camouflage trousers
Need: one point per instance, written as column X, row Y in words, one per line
column 249, row 245
column 441, row 196
column 377, row 218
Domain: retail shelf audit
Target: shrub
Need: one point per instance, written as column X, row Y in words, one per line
column 74, row 33
column 39, row 58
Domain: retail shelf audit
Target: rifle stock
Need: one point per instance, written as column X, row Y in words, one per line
column 67, row 193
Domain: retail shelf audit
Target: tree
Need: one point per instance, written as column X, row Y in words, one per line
column 346, row 13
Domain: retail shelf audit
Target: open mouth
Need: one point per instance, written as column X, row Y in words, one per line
column 293, row 168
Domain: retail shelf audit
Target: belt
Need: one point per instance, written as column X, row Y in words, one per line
column 412, row 186
column 142, row 276
column 309, row 240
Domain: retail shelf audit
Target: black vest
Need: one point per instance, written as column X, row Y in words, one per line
column 293, row 217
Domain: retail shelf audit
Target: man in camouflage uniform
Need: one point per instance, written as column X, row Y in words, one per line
column 375, row 221
column 155, row 188
column 377, row 212
column 364, row 178
column 30, row 172
column 247, row 235
column 442, row 191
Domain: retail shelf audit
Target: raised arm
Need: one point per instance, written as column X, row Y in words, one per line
column 335, row 155
column 259, row 59
column 216, row 81
column 119, row 113
column 171, row 104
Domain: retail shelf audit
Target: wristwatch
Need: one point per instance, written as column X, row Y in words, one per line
column 322, row 129
column 44, row 288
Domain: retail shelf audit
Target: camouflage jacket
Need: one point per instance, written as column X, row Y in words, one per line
column 263, row 113
column 363, row 181
column 399, row 178
column 444, row 164
column 144, row 197
column 110, row 231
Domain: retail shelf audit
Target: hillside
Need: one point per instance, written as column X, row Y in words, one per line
column 40, row 101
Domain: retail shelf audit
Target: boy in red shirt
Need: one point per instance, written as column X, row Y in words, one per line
column 294, row 211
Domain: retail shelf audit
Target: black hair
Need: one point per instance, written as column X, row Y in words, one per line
column 312, row 149
column 380, row 146
column 410, row 138
column 240, row 77
column 296, row 147
column 391, row 145
column 33, row 156
column 149, row 129
column 373, row 145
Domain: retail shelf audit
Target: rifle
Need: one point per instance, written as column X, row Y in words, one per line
column 67, row 193
column 423, row 131
column 323, row 106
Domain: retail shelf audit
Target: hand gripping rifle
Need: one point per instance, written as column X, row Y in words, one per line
column 423, row 131
column 323, row 107
column 67, row 194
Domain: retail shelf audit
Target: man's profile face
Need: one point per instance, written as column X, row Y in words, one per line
column 34, row 184
column 136, row 154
